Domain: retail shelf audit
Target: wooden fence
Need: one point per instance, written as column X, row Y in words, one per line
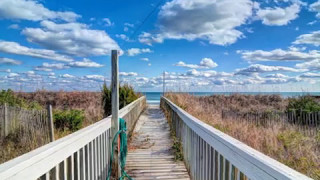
column 31, row 125
column 81, row 155
column 211, row 154
column 307, row 122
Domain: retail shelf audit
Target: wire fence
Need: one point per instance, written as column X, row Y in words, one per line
column 307, row 122
column 31, row 125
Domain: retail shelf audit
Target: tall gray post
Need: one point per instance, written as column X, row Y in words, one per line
column 50, row 123
column 115, row 109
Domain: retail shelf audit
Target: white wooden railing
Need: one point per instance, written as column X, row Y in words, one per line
column 212, row 154
column 81, row 155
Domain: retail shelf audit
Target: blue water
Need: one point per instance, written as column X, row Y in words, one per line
column 154, row 97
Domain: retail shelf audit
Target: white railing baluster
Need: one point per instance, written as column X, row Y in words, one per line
column 65, row 169
column 92, row 161
column 72, row 167
column 78, row 165
column 98, row 158
column 219, row 167
column 57, row 173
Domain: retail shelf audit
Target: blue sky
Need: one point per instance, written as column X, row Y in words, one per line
column 202, row 45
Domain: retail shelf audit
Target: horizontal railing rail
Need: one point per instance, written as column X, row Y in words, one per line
column 80, row 155
column 212, row 154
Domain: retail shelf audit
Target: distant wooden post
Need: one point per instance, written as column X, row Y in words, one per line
column 5, row 122
column 50, row 123
column 115, row 110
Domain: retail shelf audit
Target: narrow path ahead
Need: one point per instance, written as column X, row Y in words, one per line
column 150, row 155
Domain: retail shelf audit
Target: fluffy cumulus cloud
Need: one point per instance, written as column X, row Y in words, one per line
column 85, row 63
column 210, row 20
column 209, row 73
column 95, row 77
column 279, row 55
column 15, row 48
column 51, row 66
column 67, row 76
column 31, row 10
column 312, row 38
column 311, row 65
column 137, row 51
column 277, row 75
column 310, row 75
column 14, row 26
column 259, row 68
column 128, row 74
column 315, row 7
column 8, row 61
column 205, row 63
column 278, row 16
column 71, row 38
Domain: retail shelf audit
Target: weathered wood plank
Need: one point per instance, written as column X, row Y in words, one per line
column 150, row 150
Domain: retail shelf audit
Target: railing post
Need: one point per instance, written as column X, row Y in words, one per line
column 115, row 110
column 50, row 123
column 5, row 122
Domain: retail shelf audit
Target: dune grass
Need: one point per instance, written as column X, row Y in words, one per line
column 283, row 142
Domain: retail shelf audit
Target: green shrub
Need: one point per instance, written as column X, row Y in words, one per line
column 304, row 103
column 71, row 119
column 126, row 96
column 7, row 96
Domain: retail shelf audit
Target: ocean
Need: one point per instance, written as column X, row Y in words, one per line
column 154, row 97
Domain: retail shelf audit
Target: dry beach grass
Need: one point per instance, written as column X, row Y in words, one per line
column 283, row 142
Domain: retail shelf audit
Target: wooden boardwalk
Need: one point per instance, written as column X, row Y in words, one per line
column 150, row 155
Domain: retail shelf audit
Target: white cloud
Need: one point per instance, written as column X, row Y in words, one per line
column 311, row 65
column 86, row 63
column 15, row 48
column 208, row 63
column 205, row 63
column 123, row 37
column 293, row 54
column 5, row 70
column 310, row 75
column 259, row 68
column 145, row 59
column 31, row 10
column 209, row 73
column 12, row 75
column 67, row 76
column 40, row 68
column 312, row 38
column 149, row 64
column 315, row 7
column 312, row 22
column 71, row 38
column 137, row 51
column 278, row 16
column 14, row 26
column 54, row 66
column 8, row 61
column 107, row 22
column 213, row 21
column 277, row 75
column 129, row 25
column 128, row 74
column 95, row 77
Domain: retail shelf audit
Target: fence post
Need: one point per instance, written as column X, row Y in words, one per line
column 5, row 122
column 50, row 123
column 115, row 110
